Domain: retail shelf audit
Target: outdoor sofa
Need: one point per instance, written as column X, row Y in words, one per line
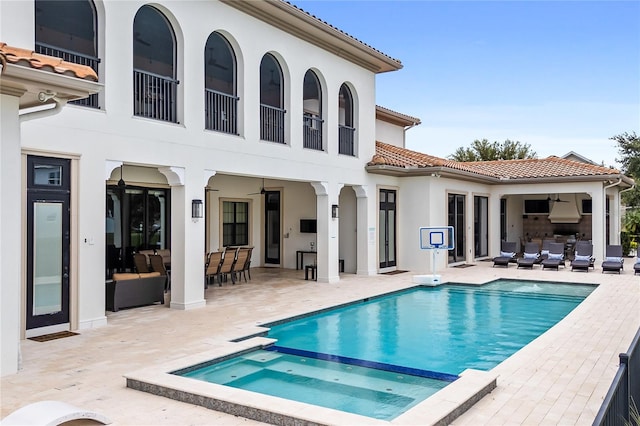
column 127, row 290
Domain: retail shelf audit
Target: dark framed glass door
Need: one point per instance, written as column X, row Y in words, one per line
column 456, row 218
column 387, row 228
column 48, row 241
column 480, row 226
column 272, row 227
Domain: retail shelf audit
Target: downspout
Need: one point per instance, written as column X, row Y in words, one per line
column 404, row 133
column 44, row 97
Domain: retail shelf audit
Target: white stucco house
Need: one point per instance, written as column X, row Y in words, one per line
column 255, row 110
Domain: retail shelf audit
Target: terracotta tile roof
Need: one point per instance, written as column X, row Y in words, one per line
column 28, row 58
column 550, row 167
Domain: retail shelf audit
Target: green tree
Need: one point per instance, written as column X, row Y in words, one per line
column 629, row 151
column 483, row 150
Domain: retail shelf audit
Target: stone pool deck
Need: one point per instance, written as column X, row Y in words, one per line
column 560, row 378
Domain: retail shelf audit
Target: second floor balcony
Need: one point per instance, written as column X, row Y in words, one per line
column 154, row 96
column 346, row 140
column 312, row 136
column 271, row 123
column 221, row 112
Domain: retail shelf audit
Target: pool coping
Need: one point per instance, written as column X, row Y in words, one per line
column 439, row 409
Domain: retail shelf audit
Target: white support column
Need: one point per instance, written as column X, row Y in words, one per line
column 187, row 239
column 327, row 233
column 10, row 233
column 367, row 216
column 598, row 224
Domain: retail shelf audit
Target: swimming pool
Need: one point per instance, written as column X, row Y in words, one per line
column 351, row 358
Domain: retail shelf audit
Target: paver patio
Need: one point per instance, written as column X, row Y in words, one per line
column 560, row 378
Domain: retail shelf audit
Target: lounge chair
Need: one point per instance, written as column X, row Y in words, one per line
column 507, row 254
column 530, row 257
column 613, row 261
column 636, row 266
column 555, row 258
column 583, row 258
column 212, row 266
column 544, row 251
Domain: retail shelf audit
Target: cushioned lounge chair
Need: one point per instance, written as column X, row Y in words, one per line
column 636, row 266
column 530, row 257
column 555, row 257
column 583, row 258
column 544, row 251
column 613, row 261
column 238, row 267
column 507, row 254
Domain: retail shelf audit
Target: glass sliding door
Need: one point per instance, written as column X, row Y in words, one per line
column 480, row 226
column 456, row 218
column 387, row 228
column 136, row 219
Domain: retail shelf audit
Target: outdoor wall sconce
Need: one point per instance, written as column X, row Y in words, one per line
column 334, row 211
column 196, row 209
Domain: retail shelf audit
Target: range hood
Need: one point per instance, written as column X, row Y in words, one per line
column 565, row 210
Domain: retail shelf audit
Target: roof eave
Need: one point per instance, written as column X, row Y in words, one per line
column 31, row 81
column 447, row 172
column 306, row 27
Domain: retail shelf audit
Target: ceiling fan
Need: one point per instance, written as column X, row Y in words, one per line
column 136, row 37
column 262, row 190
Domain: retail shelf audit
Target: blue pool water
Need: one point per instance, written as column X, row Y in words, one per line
column 380, row 357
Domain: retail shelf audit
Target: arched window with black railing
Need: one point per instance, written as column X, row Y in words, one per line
column 68, row 30
column 221, row 101
column 272, row 112
column 155, row 86
column 346, row 129
column 312, row 111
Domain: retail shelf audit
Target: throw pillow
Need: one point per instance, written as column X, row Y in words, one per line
column 544, row 252
column 579, row 257
column 506, row 254
column 530, row 255
column 555, row 256
column 613, row 259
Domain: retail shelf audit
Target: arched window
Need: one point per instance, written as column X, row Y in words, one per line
column 67, row 30
column 346, row 129
column 271, row 100
column 221, row 102
column 154, row 66
column 312, row 111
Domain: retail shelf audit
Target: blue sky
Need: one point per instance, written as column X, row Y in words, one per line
column 559, row 75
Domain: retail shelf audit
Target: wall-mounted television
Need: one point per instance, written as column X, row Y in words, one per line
column 308, row 226
column 536, row 207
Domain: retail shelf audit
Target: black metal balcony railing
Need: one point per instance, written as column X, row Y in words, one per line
column 312, row 136
column 221, row 112
column 345, row 140
column 75, row 58
column 271, row 123
column 154, row 96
